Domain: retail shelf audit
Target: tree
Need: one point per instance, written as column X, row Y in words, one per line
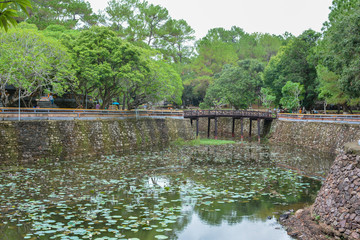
column 149, row 25
column 220, row 47
column 237, row 86
column 292, row 64
column 267, row 97
column 9, row 12
column 109, row 67
column 69, row 13
column 33, row 63
column 121, row 15
column 174, row 43
column 292, row 95
column 162, row 83
column 104, row 63
column 338, row 55
column 330, row 90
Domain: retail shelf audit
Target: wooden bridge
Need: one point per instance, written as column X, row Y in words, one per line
column 234, row 114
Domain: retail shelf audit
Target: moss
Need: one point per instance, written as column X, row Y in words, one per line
column 199, row 141
column 56, row 146
column 124, row 137
column 139, row 141
column 65, row 139
column 82, row 131
column 156, row 130
column 11, row 139
column 107, row 143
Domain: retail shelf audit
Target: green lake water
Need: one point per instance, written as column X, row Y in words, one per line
column 193, row 192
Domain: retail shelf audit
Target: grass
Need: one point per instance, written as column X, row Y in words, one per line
column 199, row 141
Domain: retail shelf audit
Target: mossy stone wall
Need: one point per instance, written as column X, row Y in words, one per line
column 34, row 140
column 317, row 135
column 338, row 202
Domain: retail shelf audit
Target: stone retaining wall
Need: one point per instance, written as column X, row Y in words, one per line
column 316, row 135
column 33, row 140
column 338, row 202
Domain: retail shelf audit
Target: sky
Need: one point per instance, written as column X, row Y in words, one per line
column 263, row 16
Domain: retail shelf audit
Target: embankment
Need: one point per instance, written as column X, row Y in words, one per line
column 336, row 211
column 317, row 135
column 33, row 140
column 338, row 202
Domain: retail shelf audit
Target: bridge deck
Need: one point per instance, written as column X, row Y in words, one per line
column 193, row 114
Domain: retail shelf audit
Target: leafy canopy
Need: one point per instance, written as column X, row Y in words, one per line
column 9, row 11
column 33, row 63
column 236, row 86
column 292, row 95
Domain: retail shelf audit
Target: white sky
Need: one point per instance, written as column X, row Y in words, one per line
column 264, row 16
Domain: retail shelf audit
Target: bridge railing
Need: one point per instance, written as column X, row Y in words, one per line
column 229, row 113
column 320, row 117
column 57, row 114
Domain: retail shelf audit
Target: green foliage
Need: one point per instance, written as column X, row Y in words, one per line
column 57, row 31
column 292, row 95
column 338, row 55
column 150, row 25
column 201, row 141
column 108, row 67
column 222, row 47
column 33, row 63
column 9, row 12
column 292, row 64
column 330, row 89
column 267, row 97
column 238, row 86
column 105, row 63
column 64, row 12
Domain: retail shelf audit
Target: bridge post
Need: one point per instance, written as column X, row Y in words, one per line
column 250, row 127
column 209, row 121
column 197, row 127
column 242, row 128
column 191, row 121
column 233, row 127
column 216, row 122
column 258, row 126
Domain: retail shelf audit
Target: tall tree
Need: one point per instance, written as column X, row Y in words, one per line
column 292, row 64
column 121, row 16
column 109, row 67
column 175, row 43
column 33, row 63
column 65, row 12
column 104, row 62
column 339, row 53
column 151, row 26
column 237, row 86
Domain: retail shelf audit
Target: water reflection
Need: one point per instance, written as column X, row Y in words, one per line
column 217, row 192
column 248, row 229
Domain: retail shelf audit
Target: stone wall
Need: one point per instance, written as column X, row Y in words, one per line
column 338, row 202
column 316, row 135
column 33, row 140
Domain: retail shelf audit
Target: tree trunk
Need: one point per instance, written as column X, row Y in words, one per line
column 348, row 108
column 124, row 102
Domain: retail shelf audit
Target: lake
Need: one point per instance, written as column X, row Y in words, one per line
column 234, row 191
